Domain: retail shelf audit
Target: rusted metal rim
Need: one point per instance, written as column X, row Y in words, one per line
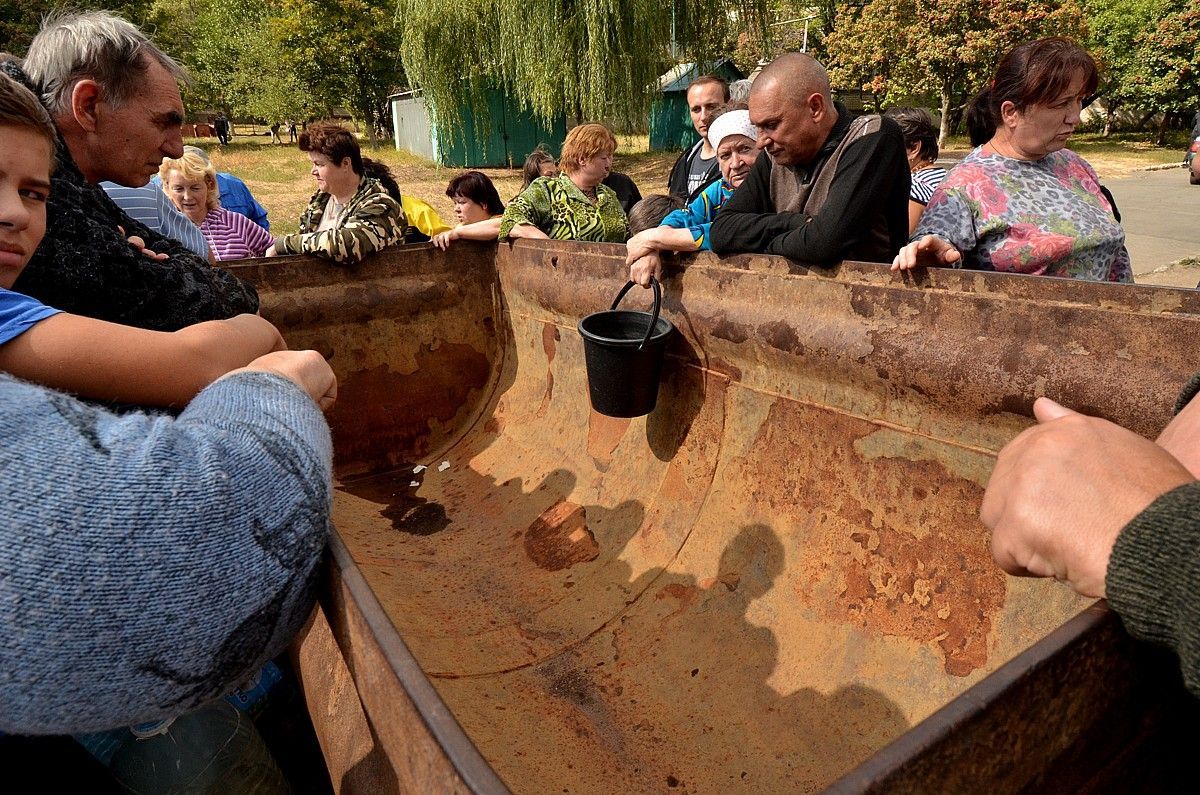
column 977, row 700
column 470, row 765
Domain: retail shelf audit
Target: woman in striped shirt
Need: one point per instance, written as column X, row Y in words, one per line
column 921, row 141
column 192, row 185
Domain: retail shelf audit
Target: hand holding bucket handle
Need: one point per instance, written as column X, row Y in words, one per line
column 653, row 315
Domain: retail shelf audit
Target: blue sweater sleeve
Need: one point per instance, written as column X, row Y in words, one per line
column 151, row 563
column 698, row 216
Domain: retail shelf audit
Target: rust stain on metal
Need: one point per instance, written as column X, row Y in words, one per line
column 729, row 330
column 560, row 538
column 929, row 589
column 550, row 338
column 685, row 595
column 937, row 588
column 604, row 434
column 779, row 334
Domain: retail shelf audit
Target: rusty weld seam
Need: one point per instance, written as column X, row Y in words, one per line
column 1100, row 303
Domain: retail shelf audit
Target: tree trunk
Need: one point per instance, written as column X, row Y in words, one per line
column 1110, row 115
column 367, row 114
column 944, row 130
column 1161, row 138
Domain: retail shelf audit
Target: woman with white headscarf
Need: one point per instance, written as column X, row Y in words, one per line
column 735, row 139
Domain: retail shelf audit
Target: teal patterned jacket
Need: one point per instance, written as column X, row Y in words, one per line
column 372, row 220
column 557, row 207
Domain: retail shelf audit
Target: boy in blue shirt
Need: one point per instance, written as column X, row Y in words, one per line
column 150, row 562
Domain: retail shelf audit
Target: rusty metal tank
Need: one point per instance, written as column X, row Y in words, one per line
column 777, row 581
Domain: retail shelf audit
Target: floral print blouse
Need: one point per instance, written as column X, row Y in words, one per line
column 557, row 207
column 1043, row 217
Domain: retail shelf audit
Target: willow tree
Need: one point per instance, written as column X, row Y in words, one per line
column 593, row 59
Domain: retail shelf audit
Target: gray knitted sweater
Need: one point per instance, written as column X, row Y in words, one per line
column 1153, row 580
column 150, row 563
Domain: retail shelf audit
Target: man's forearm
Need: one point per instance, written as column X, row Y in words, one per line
column 857, row 195
column 748, row 221
column 1154, row 577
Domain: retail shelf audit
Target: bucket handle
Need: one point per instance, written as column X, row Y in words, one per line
column 653, row 316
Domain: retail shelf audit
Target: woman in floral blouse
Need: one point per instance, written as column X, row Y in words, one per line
column 573, row 205
column 1021, row 202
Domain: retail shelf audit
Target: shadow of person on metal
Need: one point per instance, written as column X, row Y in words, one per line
column 678, row 691
column 682, row 391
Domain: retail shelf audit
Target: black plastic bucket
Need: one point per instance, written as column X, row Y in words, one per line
column 623, row 350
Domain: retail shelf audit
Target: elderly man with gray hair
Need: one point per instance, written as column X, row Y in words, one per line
column 114, row 98
column 826, row 186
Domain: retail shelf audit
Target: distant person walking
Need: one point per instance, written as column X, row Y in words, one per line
column 291, row 132
column 275, row 139
column 221, row 128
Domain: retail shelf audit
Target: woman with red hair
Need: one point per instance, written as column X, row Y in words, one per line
column 573, row 205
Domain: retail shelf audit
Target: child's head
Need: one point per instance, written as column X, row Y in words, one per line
column 650, row 211
column 26, row 159
column 540, row 163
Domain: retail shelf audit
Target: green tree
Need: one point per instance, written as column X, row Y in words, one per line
column 342, row 52
column 211, row 38
column 1170, row 56
column 794, row 26
column 943, row 48
column 286, row 59
column 596, row 59
column 1117, row 29
column 20, row 19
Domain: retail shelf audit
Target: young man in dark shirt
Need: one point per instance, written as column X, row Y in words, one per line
column 825, row 187
column 697, row 168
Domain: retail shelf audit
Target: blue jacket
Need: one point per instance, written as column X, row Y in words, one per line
column 152, row 563
column 698, row 216
column 236, row 197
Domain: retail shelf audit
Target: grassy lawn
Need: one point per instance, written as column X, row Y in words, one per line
column 278, row 175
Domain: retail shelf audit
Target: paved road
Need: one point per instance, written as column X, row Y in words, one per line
column 1161, row 215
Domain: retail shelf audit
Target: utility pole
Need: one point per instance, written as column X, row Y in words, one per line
column 805, row 20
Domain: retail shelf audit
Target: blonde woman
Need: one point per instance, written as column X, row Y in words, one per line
column 573, row 205
column 191, row 183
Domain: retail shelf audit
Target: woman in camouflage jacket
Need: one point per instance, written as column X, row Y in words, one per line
column 350, row 215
